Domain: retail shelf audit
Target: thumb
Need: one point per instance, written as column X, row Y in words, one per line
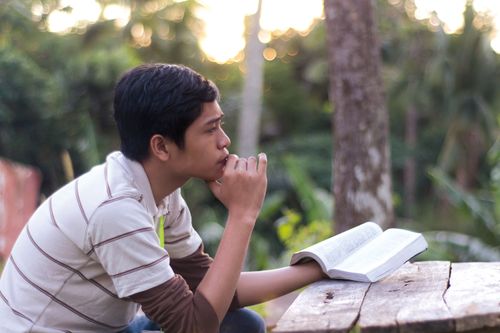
column 214, row 187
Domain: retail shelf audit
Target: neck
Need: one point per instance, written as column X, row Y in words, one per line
column 162, row 181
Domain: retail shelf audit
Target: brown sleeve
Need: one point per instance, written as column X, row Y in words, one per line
column 194, row 267
column 176, row 309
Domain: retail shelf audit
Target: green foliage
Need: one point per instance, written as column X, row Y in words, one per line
column 479, row 208
column 482, row 208
column 494, row 157
column 25, row 89
column 287, row 224
column 56, row 92
column 28, row 111
column 458, row 247
column 90, row 94
column 294, row 231
column 311, row 201
column 296, row 236
column 310, row 151
column 449, row 80
column 64, row 83
column 288, row 101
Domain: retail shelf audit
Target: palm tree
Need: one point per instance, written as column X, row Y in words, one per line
column 469, row 84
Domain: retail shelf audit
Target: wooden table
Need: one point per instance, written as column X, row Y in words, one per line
column 427, row 297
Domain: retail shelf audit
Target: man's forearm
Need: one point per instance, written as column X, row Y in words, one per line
column 219, row 284
column 242, row 190
column 258, row 287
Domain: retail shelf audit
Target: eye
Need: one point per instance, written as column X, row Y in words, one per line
column 216, row 126
column 213, row 128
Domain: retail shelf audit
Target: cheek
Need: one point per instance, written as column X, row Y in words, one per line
column 203, row 160
column 203, row 155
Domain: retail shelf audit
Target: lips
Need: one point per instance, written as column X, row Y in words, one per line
column 223, row 161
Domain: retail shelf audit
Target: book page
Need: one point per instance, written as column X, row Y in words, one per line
column 376, row 253
column 333, row 250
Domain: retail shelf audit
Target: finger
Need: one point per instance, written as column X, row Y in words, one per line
column 242, row 164
column 232, row 160
column 214, row 186
column 262, row 167
column 252, row 163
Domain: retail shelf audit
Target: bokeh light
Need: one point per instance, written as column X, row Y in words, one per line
column 223, row 38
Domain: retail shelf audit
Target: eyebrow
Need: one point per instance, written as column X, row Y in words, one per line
column 214, row 120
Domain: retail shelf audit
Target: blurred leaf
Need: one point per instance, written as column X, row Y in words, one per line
column 273, row 205
column 453, row 246
column 286, row 224
column 313, row 207
column 459, row 197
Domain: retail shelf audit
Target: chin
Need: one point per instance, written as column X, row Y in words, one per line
column 213, row 177
column 213, row 174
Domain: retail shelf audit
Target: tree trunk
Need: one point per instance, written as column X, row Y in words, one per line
column 361, row 164
column 249, row 120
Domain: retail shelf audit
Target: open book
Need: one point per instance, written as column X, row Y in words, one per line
column 364, row 253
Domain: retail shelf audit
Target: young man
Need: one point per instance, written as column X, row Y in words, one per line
column 120, row 236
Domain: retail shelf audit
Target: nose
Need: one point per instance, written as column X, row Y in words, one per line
column 224, row 141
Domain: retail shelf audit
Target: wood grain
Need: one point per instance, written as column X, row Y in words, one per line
column 474, row 295
column 410, row 300
column 428, row 297
column 327, row 306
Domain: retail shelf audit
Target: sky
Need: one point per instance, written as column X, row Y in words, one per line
column 224, row 19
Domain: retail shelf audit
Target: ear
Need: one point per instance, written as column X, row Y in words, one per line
column 159, row 147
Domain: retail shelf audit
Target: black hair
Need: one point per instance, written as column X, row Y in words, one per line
column 158, row 99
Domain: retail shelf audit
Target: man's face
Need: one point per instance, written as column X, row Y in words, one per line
column 205, row 146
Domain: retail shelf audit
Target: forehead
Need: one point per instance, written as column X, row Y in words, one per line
column 210, row 112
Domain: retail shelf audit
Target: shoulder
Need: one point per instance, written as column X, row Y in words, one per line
column 176, row 205
column 175, row 200
column 120, row 215
column 123, row 206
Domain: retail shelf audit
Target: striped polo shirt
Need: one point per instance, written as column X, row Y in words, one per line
column 89, row 246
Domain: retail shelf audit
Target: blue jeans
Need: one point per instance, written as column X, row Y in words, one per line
column 237, row 321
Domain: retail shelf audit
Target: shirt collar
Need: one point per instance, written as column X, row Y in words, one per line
column 141, row 182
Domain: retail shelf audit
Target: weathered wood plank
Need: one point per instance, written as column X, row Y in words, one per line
column 328, row 306
column 474, row 295
column 409, row 300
